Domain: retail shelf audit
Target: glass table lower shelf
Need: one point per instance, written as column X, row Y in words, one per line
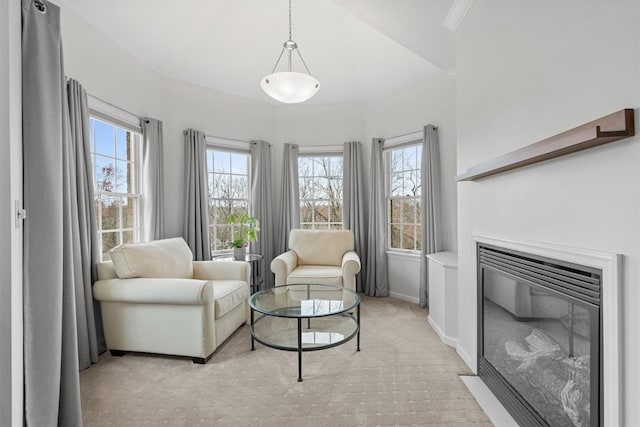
column 304, row 318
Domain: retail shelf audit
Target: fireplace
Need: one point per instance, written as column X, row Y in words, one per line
column 540, row 336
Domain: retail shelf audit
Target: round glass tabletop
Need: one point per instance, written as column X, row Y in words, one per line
column 304, row 301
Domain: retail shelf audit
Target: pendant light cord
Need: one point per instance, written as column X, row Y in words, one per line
column 289, row 51
column 289, row 19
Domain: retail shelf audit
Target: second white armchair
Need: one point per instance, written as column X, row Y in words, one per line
column 318, row 257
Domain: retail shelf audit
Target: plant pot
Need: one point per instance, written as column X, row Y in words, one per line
column 239, row 253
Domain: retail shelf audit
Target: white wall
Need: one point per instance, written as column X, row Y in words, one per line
column 184, row 106
column 432, row 102
column 526, row 72
column 313, row 125
column 106, row 70
column 109, row 72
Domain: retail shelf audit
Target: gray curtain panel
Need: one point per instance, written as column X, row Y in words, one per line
column 51, row 378
column 262, row 208
column 89, row 320
column 290, row 200
column 430, row 206
column 354, row 209
column 196, row 204
column 377, row 277
column 153, row 179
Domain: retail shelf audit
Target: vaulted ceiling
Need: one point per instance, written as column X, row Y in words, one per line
column 359, row 50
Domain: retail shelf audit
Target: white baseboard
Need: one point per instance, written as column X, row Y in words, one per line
column 471, row 362
column 404, row 297
column 450, row 341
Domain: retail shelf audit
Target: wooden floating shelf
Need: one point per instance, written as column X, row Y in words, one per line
column 615, row 126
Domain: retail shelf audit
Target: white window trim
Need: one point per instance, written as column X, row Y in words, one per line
column 113, row 115
column 320, row 150
column 403, row 139
column 227, row 143
column 400, row 143
column 233, row 146
column 137, row 161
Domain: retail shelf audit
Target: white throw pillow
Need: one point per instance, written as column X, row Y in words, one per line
column 168, row 258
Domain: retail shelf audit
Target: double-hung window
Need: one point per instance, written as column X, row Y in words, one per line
column 229, row 192
column 320, row 185
column 116, row 156
column 403, row 166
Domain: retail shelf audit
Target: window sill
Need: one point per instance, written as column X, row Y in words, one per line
column 403, row 255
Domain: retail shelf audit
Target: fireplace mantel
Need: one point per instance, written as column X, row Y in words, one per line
column 610, row 128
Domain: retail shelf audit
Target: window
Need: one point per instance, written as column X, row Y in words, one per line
column 228, row 182
column 115, row 153
column 320, row 182
column 403, row 186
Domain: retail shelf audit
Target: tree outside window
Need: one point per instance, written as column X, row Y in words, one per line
column 320, row 183
column 228, row 183
column 404, row 191
column 115, row 155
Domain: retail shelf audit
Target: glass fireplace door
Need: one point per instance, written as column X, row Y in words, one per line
column 542, row 342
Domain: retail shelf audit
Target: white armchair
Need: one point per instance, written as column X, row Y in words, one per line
column 155, row 299
column 318, row 257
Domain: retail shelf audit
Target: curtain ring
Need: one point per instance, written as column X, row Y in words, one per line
column 40, row 6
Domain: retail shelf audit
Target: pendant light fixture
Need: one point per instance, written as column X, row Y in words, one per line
column 289, row 86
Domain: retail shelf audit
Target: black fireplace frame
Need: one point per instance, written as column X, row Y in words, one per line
column 527, row 268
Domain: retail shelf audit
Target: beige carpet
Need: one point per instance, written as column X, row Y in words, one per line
column 403, row 375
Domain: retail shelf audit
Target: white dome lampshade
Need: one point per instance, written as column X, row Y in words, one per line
column 290, row 87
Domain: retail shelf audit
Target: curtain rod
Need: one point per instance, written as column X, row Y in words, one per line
column 404, row 134
column 409, row 133
column 116, row 107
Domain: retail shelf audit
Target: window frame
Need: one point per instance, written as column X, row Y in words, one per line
column 226, row 146
column 417, row 224
column 312, row 154
column 136, row 161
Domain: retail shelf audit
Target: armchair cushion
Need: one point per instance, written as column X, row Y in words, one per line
column 317, row 274
column 319, row 247
column 227, row 294
column 168, row 258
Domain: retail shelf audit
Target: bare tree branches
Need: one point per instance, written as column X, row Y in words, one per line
column 320, row 184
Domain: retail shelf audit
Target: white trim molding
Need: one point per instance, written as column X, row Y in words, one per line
column 448, row 340
column 404, row 138
column 310, row 150
column 404, row 297
column 609, row 264
column 235, row 144
column 456, row 14
column 110, row 112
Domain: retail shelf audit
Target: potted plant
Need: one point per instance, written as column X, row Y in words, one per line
column 245, row 230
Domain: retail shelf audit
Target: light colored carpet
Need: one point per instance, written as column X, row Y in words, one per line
column 403, row 375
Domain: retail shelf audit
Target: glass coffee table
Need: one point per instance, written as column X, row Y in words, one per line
column 304, row 318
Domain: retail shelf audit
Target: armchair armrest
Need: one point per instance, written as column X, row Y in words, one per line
column 222, row 270
column 283, row 265
column 350, row 267
column 154, row 291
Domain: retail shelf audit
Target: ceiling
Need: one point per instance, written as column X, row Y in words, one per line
column 359, row 50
